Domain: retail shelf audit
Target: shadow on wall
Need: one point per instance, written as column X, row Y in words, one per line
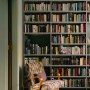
column 20, row 78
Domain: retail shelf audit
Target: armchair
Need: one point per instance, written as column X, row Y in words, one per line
column 36, row 70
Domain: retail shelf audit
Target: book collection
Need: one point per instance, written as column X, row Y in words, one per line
column 57, row 32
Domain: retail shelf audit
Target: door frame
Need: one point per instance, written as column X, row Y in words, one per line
column 9, row 44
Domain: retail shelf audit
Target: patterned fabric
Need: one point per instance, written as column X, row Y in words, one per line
column 37, row 68
column 52, row 84
column 49, row 85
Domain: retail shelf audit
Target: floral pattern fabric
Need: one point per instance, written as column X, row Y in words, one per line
column 37, row 68
column 49, row 85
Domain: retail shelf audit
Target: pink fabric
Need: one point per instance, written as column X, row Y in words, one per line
column 43, row 75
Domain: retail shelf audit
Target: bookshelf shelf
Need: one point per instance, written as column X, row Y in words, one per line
column 57, row 32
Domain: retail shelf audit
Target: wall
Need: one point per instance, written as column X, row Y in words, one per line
column 3, row 44
column 17, row 45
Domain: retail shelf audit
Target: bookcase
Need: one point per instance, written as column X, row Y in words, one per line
column 57, row 32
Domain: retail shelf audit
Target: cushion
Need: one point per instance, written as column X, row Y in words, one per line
column 49, row 85
column 42, row 75
column 53, row 84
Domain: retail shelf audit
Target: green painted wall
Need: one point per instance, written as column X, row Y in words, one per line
column 3, row 45
column 17, row 44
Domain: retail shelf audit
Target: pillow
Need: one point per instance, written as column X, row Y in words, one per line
column 42, row 75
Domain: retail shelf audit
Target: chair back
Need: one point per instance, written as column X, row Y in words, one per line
column 36, row 68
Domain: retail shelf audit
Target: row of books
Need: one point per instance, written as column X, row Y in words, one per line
column 88, row 60
column 74, row 82
column 56, row 17
column 67, row 28
column 69, row 6
column 88, row 17
column 36, row 28
column 37, row 17
column 68, row 39
column 88, row 40
column 61, row 61
column 37, row 6
column 75, row 6
column 88, row 82
column 58, row 61
column 68, row 17
column 44, row 60
column 88, row 71
column 36, row 49
column 88, row 6
column 68, row 71
column 88, row 49
column 69, row 61
column 74, row 50
column 77, row 28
